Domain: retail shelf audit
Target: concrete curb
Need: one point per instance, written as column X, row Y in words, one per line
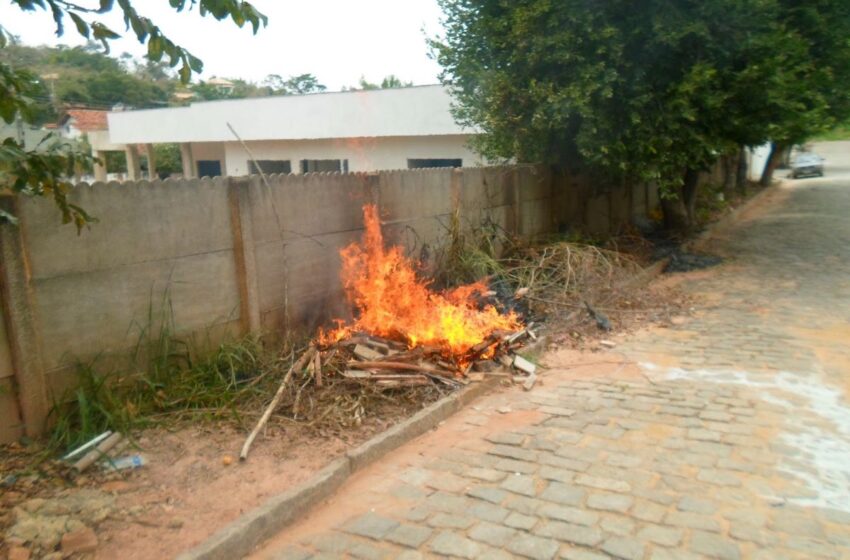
column 240, row 537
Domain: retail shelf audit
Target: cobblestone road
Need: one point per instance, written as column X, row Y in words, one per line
column 723, row 436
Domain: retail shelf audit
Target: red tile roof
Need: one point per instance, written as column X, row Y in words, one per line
column 88, row 119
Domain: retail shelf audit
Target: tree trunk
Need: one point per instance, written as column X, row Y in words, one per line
column 673, row 211
column 741, row 178
column 776, row 151
column 689, row 195
column 730, row 165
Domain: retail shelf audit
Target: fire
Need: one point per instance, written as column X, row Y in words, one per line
column 392, row 302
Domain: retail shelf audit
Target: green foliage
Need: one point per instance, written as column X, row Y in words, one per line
column 389, row 82
column 647, row 92
column 159, row 46
column 294, row 85
column 164, row 381
column 167, row 158
column 43, row 171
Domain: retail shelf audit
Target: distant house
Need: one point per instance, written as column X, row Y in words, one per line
column 341, row 131
column 74, row 123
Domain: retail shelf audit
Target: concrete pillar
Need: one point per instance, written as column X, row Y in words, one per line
column 149, row 153
column 187, row 160
column 100, row 168
column 134, row 168
column 21, row 323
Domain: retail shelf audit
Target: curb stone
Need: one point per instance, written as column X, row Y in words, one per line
column 241, row 536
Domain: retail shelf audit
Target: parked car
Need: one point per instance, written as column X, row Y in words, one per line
column 806, row 164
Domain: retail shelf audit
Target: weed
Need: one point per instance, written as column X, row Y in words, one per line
column 166, row 378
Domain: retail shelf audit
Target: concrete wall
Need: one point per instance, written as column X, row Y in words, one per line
column 363, row 154
column 233, row 255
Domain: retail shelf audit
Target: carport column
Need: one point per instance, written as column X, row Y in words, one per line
column 188, row 162
column 151, row 161
column 100, row 168
column 134, row 168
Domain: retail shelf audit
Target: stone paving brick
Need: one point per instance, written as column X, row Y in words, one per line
column 442, row 501
column 658, row 534
column 577, row 516
column 506, row 438
column 566, row 463
column 625, row 548
column 520, row 521
column 696, row 505
column 719, row 477
column 451, row 521
column 411, row 536
column 488, row 512
column 289, row 553
column 492, row 534
column 513, row 466
column 511, row 452
column 571, row 553
column 714, row 546
column 565, row 494
column 449, row 543
column 618, row 525
column 567, row 532
column 648, row 511
column 530, row 546
column 492, row 495
column 751, row 533
column 488, row 475
column 613, row 482
column 692, row 521
column 370, row 525
column 523, row 504
column 520, row 484
column 610, row 502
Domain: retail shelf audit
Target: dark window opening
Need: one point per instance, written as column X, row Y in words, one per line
column 270, row 166
column 323, row 165
column 209, row 168
column 430, row 163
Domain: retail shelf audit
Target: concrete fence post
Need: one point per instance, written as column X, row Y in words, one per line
column 238, row 193
column 134, row 166
column 517, row 201
column 21, row 324
column 100, row 168
column 187, row 161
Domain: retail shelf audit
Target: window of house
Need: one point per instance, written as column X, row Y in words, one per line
column 324, row 165
column 428, row 163
column 209, row 168
column 270, row 166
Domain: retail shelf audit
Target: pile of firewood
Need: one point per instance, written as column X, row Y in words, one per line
column 365, row 358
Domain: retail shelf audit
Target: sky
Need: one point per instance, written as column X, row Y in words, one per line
column 336, row 40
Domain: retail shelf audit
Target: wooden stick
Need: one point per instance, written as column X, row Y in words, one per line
column 100, row 451
column 305, row 357
column 317, row 369
column 395, row 365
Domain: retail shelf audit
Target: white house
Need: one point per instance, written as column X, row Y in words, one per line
column 339, row 131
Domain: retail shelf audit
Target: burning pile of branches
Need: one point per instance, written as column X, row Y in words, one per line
column 405, row 334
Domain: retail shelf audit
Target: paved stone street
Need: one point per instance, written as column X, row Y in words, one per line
column 726, row 435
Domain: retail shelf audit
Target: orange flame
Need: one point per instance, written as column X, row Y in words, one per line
column 393, row 303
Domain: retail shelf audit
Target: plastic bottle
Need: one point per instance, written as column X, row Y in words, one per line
column 128, row 462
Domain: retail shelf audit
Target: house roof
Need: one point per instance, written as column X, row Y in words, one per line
column 413, row 111
column 86, row 119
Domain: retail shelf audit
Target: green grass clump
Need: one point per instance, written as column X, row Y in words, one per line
column 166, row 378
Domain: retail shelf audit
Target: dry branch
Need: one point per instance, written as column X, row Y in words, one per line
column 302, row 361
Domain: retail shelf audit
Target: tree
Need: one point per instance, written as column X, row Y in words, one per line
column 653, row 94
column 42, row 171
column 393, row 81
column 294, row 85
column 389, row 82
